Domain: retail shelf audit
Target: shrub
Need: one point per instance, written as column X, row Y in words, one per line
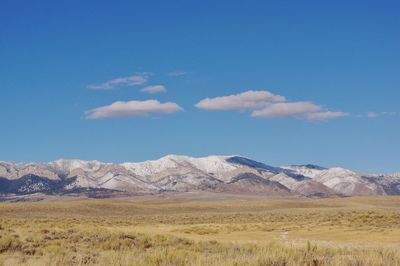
column 9, row 243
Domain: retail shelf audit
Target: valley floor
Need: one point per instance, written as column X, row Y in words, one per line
column 201, row 229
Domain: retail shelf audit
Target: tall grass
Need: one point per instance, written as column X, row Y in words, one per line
column 113, row 233
column 98, row 247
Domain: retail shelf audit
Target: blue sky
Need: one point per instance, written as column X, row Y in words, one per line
column 309, row 81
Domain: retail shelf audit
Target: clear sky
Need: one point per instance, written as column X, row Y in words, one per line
column 282, row 82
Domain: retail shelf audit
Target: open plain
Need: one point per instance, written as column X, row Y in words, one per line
column 201, row 229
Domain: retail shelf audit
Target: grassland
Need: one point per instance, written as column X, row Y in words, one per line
column 202, row 229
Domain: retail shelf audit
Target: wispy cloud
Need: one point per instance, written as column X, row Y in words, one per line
column 299, row 110
column 176, row 73
column 134, row 80
column 372, row 114
column 287, row 110
column 244, row 101
column 324, row 115
column 264, row 104
column 133, row 109
column 154, row 89
column 379, row 114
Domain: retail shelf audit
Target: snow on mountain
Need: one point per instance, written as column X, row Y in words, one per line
column 17, row 170
column 148, row 168
column 395, row 175
column 184, row 173
column 309, row 170
column 390, row 183
column 70, row 165
column 340, row 180
column 285, row 180
column 210, row 164
column 306, row 186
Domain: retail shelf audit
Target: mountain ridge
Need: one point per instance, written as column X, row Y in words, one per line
column 179, row 173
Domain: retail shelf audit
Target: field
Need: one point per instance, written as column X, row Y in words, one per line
column 201, row 229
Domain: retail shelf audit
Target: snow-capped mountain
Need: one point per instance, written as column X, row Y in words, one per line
column 340, row 180
column 233, row 174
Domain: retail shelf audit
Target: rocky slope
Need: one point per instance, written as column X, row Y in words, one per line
column 231, row 174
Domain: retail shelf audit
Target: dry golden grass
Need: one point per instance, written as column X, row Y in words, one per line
column 202, row 229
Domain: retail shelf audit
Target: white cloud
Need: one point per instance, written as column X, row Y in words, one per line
column 324, row 115
column 248, row 100
column 132, row 109
column 372, row 114
column 299, row 110
column 379, row 114
column 287, row 110
column 389, row 113
column 154, row 89
column 177, row 73
column 129, row 81
column 264, row 104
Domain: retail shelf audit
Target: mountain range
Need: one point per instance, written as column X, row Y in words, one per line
column 173, row 173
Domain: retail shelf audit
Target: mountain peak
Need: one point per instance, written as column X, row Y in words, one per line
column 185, row 157
column 308, row 166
